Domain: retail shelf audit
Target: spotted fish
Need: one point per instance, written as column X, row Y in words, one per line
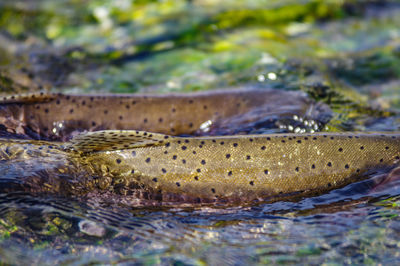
column 57, row 116
column 240, row 168
column 236, row 167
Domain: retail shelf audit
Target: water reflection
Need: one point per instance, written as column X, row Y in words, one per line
column 351, row 224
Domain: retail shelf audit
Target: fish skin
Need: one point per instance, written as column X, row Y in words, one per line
column 252, row 167
column 237, row 168
column 57, row 116
column 42, row 166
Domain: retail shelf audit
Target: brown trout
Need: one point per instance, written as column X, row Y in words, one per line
column 229, row 167
column 56, row 116
column 240, row 168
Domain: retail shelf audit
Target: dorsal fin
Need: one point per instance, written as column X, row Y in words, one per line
column 108, row 140
column 34, row 97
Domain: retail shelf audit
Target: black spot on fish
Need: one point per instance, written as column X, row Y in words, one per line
column 163, row 170
column 340, row 149
column 386, row 148
column 227, row 156
column 314, row 138
column 229, row 173
column 263, row 148
column 213, row 190
column 283, row 141
column 184, row 147
column 120, row 117
column 190, row 125
column 268, row 138
column 132, row 171
column 183, row 161
column 93, row 123
column 174, row 157
column 248, row 157
column 329, row 164
column 155, row 180
column 297, row 169
column 58, row 102
column 329, row 184
column 198, row 170
column 46, row 110
column 362, row 147
column 250, row 139
column 251, row 183
column 205, row 107
column 203, row 162
column 118, row 161
column 148, row 160
column 105, row 112
column 222, row 143
column 332, row 137
column 266, row 171
column 381, row 160
column 173, row 110
column 165, row 137
column 346, row 166
column 299, row 141
column 196, row 178
column 358, row 170
column 235, row 145
column 187, row 141
column 145, row 120
column 313, row 166
column 167, row 144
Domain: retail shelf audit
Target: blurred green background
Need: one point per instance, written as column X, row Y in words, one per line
column 344, row 52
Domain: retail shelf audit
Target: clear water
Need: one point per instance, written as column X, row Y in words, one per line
column 344, row 53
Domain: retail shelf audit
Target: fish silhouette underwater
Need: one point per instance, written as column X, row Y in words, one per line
column 52, row 116
column 197, row 169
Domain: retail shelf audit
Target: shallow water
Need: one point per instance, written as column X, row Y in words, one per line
column 349, row 225
column 344, row 53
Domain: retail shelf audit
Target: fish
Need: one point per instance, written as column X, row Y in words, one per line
column 57, row 116
column 213, row 168
column 251, row 167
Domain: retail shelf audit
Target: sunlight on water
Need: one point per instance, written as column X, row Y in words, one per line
column 343, row 55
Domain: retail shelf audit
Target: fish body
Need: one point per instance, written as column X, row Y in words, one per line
column 240, row 168
column 236, row 167
column 57, row 116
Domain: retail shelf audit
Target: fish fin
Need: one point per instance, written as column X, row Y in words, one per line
column 108, row 140
column 35, row 97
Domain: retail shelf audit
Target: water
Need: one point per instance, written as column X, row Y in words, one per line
column 349, row 225
column 344, row 53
